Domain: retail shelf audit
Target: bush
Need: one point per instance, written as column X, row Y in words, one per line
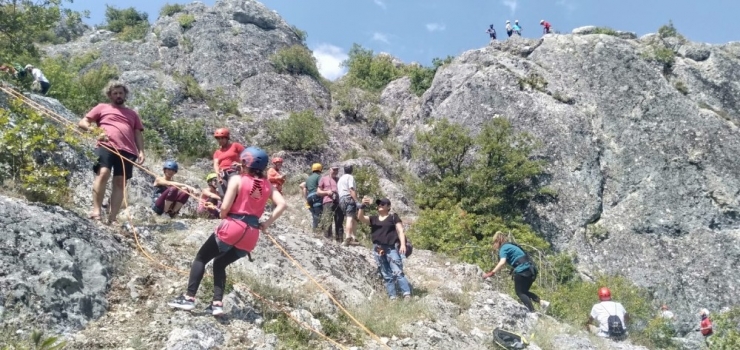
column 662, row 55
column 186, row 21
column 302, row 131
column 218, row 101
column 681, row 87
column 170, row 9
column 368, row 71
column 190, row 86
column 422, row 77
column 605, row 30
column 668, row 30
column 534, row 81
column 129, row 23
column 29, row 150
column 36, row 341
column 295, row 60
column 726, row 327
column 301, row 34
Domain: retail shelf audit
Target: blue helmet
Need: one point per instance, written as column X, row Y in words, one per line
column 171, row 165
column 254, row 158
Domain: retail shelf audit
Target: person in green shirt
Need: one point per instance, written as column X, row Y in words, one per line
column 313, row 200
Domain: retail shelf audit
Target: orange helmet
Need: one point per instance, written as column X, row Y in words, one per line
column 221, row 132
column 604, row 294
column 277, row 160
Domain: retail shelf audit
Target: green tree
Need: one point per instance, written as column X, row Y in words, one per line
column 129, row 23
column 369, row 71
column 301, row 131
column 422, row 77
column 76, row 87
column 296, row 60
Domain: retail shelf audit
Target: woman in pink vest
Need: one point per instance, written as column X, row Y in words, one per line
column 242, row 206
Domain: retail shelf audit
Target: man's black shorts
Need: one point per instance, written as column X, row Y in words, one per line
column 110, row 160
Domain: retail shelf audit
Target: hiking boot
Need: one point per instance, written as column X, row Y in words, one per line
column 216, row 309
column 183, row 302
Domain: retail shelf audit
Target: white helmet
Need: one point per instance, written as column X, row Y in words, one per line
column 542, row 21
column 507, row 21
column 516, row 21
column 28, row 66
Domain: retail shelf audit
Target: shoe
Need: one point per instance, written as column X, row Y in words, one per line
column 216, row 310
column 544, row 304
column 407, row 297
column 183, row 303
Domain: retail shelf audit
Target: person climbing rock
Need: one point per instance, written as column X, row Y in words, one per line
column 517, row 28
column 313, row 200
column 39, row 79
column 523, row 270
column 347, row 191
column 209, row 195
column 169, row 196
column 545, row 26
column 665, row 313
column 389, row 243
column 705, row 326
column 120, row 129
column 509, row 29
column 330, row 193
column 274, row 176
column 237, row 234
column 491, row 32
column 610, row 315
column 224, row 157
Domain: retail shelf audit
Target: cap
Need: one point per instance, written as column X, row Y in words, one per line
column 384, row 201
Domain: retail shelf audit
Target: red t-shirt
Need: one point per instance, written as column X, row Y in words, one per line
column 706, row 323
column 119, row 123
column 229, row 155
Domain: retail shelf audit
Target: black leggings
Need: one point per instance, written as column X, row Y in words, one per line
column 209, row 251
column 522, row 284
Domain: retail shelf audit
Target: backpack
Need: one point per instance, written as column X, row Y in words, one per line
column 522, row 260
column 616, row 327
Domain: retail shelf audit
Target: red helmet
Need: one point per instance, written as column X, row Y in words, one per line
column 277, row 160
column 221, row 132
column 604, row 294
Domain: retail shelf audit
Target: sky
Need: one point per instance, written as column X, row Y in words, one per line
column 420, row 30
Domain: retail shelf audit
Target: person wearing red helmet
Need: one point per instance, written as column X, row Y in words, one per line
column 274, row 176
column 225, row 158
column 610, row 315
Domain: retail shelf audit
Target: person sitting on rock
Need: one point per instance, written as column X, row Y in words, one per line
column 524, row 270
column 610, row 315
column 491, row 32
column 209, row 195
column 545, row 26
column 274, row 176
column 225, row 156
column 509, row 29
column 38, row 79
column 237, row 234
column 389, row 243
column 170, row 196
column 517, row 28
column 309, row 189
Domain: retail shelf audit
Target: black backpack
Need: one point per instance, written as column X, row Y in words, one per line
column 616, row 327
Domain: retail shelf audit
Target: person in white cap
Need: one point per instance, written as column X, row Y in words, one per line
column 509, row 30
column 39, row 78
column 517, row 28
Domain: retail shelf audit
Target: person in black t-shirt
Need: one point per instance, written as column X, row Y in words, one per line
column 389, row 243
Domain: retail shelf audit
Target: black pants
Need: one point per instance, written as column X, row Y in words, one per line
column 336, row 212
column 209, row 251
column 522, row 283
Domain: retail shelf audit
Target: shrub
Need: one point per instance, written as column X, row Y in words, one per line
column 726, row 330
column 368, row 184
column 170, row 9
column 186, row 21
column 301, row 131
column 422, row 77
column 681, row 87
column 218, row 101
column 301, row 34
column 605, row 30
column 36, row 341
column 534, row 81
column 190, row 86
column 29, row 151
column 668, row 30
column 368, row 71
column 295, row 60
column 129, row 23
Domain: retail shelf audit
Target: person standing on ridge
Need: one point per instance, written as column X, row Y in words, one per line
column 330, row 193
column 224, row 157
column 274, row 176
column 545, row 26
column 38, row 78
column 169, row 196
column 236, row 236
column 523, row 270
column 491, row 32
column 509, row 30
column 517, row 28
column 348, row 203
column 610, row 315
column 313, row 200
column 119, row 128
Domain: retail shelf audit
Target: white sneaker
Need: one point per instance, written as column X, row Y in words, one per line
column 544, row 304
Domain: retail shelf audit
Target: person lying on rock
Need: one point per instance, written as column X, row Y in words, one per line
column 237, row 234
column 389, row 243
column 169, row 196
column 209, row 195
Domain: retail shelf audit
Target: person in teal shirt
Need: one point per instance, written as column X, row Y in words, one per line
column 524, row 270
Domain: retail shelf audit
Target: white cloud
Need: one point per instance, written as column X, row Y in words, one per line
column 435, row 27
column 380, row 3
column 377, row 36
column 329, row 60
column 511, row 4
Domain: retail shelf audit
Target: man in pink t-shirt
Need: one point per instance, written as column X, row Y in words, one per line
column 118, row 128
column 328, row 190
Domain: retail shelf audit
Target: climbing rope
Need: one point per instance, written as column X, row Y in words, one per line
column 55, row 116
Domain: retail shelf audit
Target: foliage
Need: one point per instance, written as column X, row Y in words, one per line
column 36, row 341
column 219, row 101
column 534, row 81
column 170, row 9
column 726, row 327
column 369, row 71
column 422, row 77
column 659, row 333
column 23, row 22
column 605, row 30
column 29, row 148
column 301, row 131
column 186, row 21
column 129, row 23
column 468, row 196
column 301, row 34
column 190, row 86
column 668, row 31
column 295, row 60
column 76, row 87
column 681, row 87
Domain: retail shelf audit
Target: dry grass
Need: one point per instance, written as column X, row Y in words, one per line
column 385, row 317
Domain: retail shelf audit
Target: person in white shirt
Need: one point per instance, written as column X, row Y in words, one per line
column 39, row 78
column 665, row 313
column 610, row 315
column 348, row 203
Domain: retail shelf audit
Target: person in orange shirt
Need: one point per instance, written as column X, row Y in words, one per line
column 274, row 176
column 226, row 158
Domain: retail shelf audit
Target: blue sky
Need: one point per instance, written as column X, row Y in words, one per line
column 419, row 30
